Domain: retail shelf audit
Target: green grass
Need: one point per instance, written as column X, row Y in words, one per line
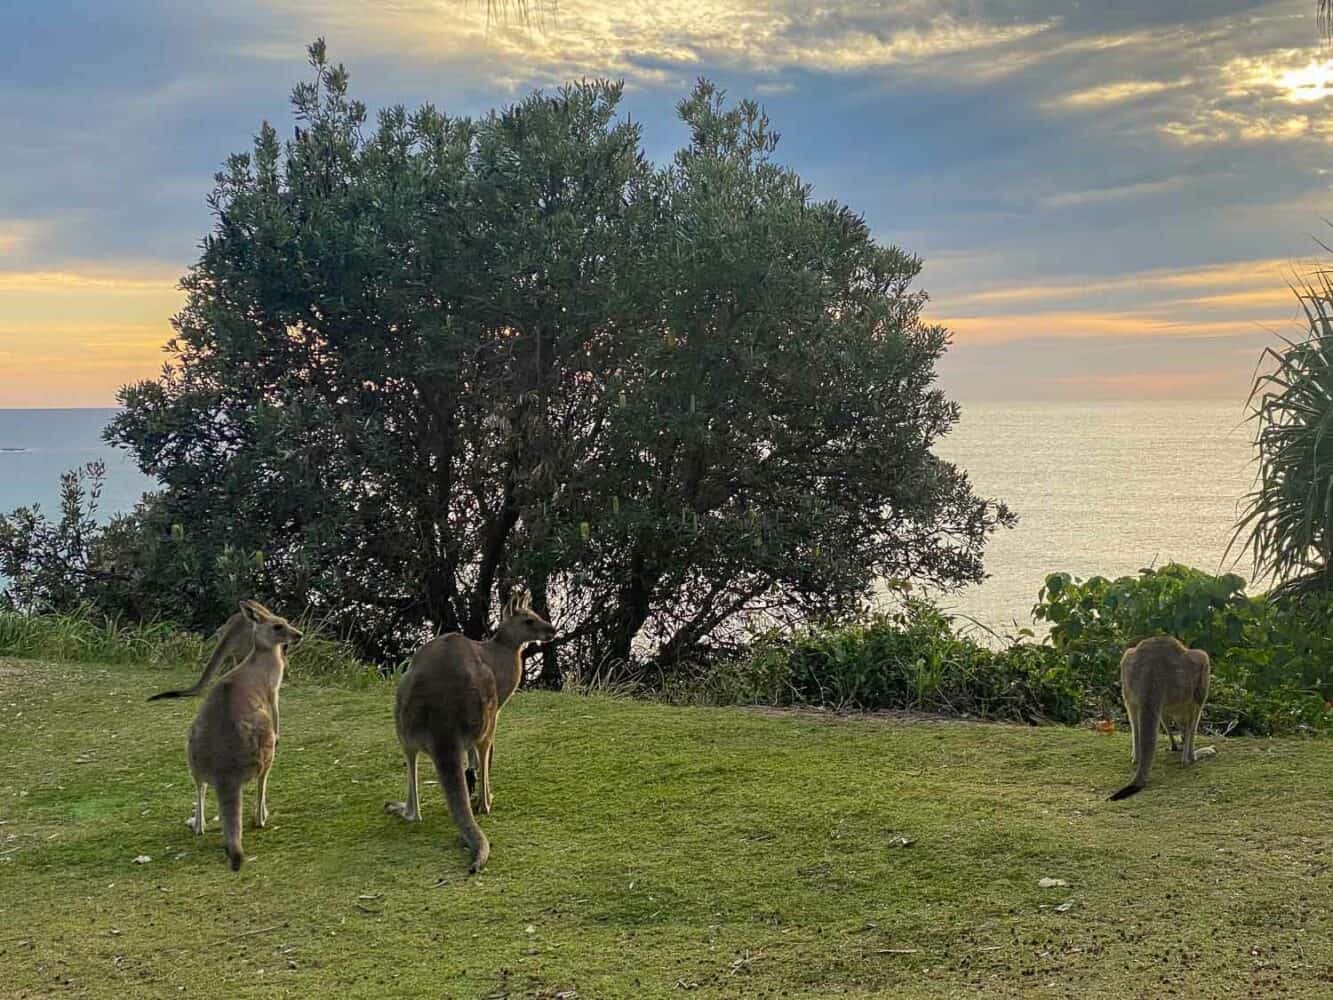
column 642, row 850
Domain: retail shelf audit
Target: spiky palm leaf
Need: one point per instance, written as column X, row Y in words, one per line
column 1287, row 522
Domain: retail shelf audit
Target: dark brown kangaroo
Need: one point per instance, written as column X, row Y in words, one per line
column 447, row 705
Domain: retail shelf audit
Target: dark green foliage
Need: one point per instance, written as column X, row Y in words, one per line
column 912, row 659
column 1272, row 663
column 1287, row 523
column 427, row 358
column 49, row 563
column 138, row 567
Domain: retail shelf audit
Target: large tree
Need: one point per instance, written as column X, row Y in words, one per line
column 422, row 361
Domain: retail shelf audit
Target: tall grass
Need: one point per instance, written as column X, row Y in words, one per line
column 85, row 636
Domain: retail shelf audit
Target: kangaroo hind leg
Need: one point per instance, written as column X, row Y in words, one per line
column 409, row 810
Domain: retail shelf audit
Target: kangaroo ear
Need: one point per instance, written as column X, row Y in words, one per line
column 508, row 610
column 264, row 613
column 252, row 612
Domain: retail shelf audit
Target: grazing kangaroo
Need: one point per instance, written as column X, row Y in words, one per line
column 1162, row 680
column 235, row 640
column 235, row 734
column 447, row 704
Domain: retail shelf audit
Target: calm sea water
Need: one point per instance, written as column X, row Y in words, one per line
column 52, row 442
column 1098, row 489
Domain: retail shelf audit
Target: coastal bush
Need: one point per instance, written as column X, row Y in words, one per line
column 1272, row 662
column 424, row 358
column 139, row 566
column 912, row 659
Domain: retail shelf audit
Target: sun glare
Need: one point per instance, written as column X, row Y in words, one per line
column 1311, row 83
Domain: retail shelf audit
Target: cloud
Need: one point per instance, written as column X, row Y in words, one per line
column 100, row 280
column 1273, row 275
column 73, row 337
column 1071, row 199
column 1116, row 93
column 1234, row 299
column 653, row 41
column 1079, row 324
column 18, row 235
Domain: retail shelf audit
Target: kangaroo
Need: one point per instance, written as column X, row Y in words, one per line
column 235, row 733
column 1161, row 680
column 235, row 640
column 448, row 701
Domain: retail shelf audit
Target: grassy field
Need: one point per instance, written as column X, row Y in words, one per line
column 649, row 851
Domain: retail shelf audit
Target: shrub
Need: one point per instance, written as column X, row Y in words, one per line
column 1270, row 662
column 910, row 659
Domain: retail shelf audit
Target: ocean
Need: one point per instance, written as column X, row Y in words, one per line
column 36, row 446
column 1099, row 489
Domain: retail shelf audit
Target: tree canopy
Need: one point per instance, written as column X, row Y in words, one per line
column 423, row 360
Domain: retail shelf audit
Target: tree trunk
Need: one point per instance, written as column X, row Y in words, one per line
column 549, row 675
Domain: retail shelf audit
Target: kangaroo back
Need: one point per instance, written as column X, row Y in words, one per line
column 449, row 767
column 235, row 640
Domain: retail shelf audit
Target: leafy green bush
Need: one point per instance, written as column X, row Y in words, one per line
column 911, row 659
column 84, row 636
column 1271, row 662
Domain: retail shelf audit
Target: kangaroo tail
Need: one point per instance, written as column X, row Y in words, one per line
column 229, row 644
column 449, row 767
column 229, row 812
column 1145, row 745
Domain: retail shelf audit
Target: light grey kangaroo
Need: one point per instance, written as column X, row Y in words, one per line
column 235, row 640
column 448, row 701
column 1162, row 680
column 235, row 735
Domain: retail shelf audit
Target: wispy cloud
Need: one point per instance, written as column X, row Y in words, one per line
column 1236, row 299
column 100, row 280
column 1079, row 324
column 1117, row 93
column 650, row 41
column 1269, row 276
column 73, row 337
column 1094, row 196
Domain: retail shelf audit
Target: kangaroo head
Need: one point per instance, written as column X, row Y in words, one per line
column 520, row 625
column 269, row 630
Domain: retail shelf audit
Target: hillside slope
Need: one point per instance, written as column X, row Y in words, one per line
column 647, row 851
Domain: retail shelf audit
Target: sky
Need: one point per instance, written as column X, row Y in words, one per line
column 1112, row 201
